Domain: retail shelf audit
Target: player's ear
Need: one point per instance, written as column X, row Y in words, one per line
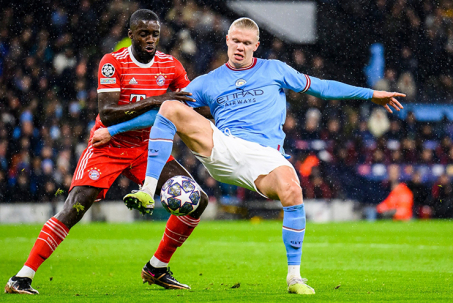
column 129, row 33
column 226, row 39
column 256, row 46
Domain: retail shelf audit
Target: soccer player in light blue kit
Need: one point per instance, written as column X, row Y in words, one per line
column 246, row 97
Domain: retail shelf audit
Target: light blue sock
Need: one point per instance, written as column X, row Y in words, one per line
column 160, row 145
column 293, row 232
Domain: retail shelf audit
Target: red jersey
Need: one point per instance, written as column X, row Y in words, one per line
column 121, row 72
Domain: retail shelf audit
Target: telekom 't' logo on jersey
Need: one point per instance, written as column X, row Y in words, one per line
column 136, row 98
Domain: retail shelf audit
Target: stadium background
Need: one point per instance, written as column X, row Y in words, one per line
column 49, row 55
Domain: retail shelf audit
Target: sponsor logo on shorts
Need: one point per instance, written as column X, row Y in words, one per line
column 94, row 174
column 108, row 80
column 108, row 70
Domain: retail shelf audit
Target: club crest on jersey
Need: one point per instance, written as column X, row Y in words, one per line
column 240, row 82
column 94, row 174
column 160, row 80
column 107, row 70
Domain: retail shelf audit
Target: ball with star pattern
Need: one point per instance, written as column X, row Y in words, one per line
column 180, row 195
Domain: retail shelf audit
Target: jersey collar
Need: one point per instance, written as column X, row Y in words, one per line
column 242, row 68
column 142, row 65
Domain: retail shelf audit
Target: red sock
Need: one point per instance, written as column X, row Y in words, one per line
column 51, row 235
column 177, row 231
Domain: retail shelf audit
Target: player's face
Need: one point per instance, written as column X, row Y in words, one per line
column 242, row 43
column 145, row 37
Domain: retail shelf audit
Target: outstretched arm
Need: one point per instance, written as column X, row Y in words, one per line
column 328, row 89
column 103, row 135
column 111, row 113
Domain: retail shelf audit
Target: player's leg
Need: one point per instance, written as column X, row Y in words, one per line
column 156, row 271
column 177, row 230
column 52, row 234
column 94, row 174
column 283, row 184
column 79, row 201
column 175, row 117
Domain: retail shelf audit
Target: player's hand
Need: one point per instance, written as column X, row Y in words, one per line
column 178, row 96
column 386, row 98
column 101, row 137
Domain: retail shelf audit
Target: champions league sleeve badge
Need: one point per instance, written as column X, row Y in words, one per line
column 107, row 70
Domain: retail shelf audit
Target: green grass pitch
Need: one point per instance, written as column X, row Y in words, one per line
column 344, row 262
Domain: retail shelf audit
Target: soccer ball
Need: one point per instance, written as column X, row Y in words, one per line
column 180, row 195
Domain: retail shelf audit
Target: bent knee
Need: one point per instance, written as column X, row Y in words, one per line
column 291, row 194
column 294, row 189
column 201, row 207
column 171, row 108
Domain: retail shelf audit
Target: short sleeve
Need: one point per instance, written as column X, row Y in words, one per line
column 196, row 88
column 181, row 80
column 109, row 75
column 292, row 79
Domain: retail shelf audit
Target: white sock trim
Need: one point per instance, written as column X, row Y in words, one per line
column 293, row 272
column 150, row 185
column 26, row 272
column 157, row 263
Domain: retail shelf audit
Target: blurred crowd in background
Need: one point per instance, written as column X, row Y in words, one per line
column 49, row 56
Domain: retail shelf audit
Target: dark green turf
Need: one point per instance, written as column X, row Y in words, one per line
column 344, row 262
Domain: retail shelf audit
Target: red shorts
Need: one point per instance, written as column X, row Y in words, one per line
column 100, row 166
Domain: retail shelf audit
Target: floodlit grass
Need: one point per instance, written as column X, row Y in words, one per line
column 344, row 262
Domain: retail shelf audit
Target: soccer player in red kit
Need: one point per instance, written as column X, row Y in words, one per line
column 131, row 81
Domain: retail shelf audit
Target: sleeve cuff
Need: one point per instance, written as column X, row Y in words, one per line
column 106, row 90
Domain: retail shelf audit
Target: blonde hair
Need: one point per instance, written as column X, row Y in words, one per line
column 246, row 23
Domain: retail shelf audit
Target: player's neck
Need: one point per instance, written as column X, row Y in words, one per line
column 142, row 58
column 241, row 66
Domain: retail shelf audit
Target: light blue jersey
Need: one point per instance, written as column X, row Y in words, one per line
column 251, row 104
